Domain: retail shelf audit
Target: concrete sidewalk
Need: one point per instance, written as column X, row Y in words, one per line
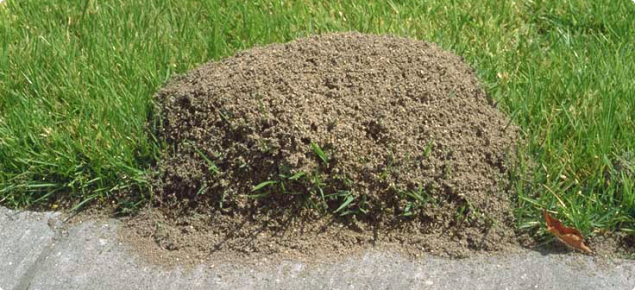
column 34, row 254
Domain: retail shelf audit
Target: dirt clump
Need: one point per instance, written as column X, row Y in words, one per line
column 331, row 143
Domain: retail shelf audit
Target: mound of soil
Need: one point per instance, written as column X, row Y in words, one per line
column 329, row 143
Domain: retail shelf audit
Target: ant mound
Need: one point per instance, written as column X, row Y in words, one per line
column 329, row 144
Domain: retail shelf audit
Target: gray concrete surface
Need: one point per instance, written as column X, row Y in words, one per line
column 25, row 239
column 89, row 256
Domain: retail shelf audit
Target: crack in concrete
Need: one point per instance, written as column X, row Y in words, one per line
column 58, row 234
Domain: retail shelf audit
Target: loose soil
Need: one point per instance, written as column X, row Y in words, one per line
column 327, row 145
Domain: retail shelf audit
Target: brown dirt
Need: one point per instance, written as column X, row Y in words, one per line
column 415, row 154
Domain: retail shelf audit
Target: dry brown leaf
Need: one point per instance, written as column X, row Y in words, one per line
column 569, row 236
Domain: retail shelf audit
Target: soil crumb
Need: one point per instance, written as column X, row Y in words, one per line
column 327, row 145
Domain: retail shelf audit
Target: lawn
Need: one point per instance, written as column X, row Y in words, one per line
column 76, row 80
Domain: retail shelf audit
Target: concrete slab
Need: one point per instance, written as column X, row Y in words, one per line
column 89, row 256
column 24, row 237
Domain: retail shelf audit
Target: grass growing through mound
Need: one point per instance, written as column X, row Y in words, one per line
column 76, row 79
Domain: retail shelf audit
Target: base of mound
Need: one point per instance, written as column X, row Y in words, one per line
column 200, row 238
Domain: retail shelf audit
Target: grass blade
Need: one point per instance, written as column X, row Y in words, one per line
column 318, row 151
column 348, row 201
column 263, row 185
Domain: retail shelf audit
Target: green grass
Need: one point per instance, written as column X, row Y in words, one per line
column 76, row 80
